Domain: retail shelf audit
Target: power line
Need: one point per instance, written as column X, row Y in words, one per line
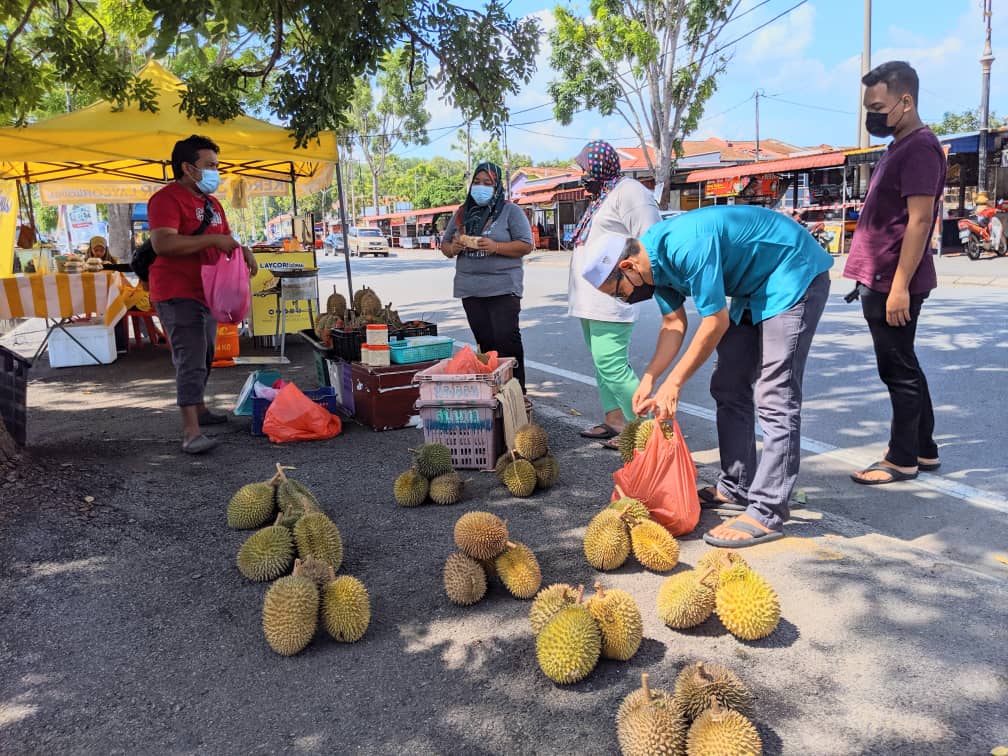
column 758, row 28
column 810, row 107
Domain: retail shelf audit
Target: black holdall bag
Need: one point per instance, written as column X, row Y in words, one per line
column 143, row 256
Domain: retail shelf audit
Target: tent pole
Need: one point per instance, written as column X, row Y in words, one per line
column 343, row 228
column 294, row 211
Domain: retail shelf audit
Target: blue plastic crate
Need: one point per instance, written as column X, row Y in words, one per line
column 405, row 353
column 324, row 396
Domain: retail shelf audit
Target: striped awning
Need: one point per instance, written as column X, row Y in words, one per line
column 63, row 295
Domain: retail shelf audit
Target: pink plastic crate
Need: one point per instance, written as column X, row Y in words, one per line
column 474, row 431
column 435, row 385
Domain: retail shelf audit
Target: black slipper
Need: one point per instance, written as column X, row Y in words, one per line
column 927, row 466
column 895, row 475
column 607, row 432
column 758, row 536
column 709, row 500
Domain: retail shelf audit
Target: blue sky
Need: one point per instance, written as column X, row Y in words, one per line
column 807, row 63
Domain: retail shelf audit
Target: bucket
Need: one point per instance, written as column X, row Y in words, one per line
column 227, row 345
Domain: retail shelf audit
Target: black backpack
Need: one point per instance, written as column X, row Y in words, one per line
column 143, row 256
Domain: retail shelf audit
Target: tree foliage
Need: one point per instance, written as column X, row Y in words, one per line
column 968, row 120
column 653, row 62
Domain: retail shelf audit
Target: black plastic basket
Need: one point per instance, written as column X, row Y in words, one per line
column 427, row 329
column 347, row 343
column 14, row 394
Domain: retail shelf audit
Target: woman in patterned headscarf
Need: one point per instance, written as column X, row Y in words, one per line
column 489, row 277
column 622, row 207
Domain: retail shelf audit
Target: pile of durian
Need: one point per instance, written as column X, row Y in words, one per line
column 625, row 526
column 431, row 477
column 706, row 715
column 485, row 552
column 722, row 583
column 367, row 310
column 529, row 465
column 304, row 539
column 572, row 636
column 636, row 433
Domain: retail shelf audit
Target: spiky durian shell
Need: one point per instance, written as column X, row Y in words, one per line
column 336, row 304
column 684, row 602
column 531, row 441
column 317, row 570
column 636, row 510
column 650, row 727
column 723, row 732
column 606, row 541
column 569, row 646
column 620, row 622
column 700, row 684
column 503, row 461
column 480, row 535
column 290, row 614
column 547, row 471
column 520, row 478
column 646, row 429
column 346, row 609
column 433, row 460
column 628, row 440
column 518, row 568
column 548, row 602
column 266, row 554
column 447, row 488
column 295, row 496
column 746, row 604
column 464, row 579
column 653, row 546
column 317, row 536
column 719, row 560
column 252, row 506
column 411, row 489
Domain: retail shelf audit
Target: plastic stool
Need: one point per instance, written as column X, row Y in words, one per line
column 154, row 334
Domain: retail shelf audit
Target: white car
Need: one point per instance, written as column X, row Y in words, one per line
column 367, row 241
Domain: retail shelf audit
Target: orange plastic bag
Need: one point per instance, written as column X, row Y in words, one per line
column 663, row 477
column 465, row 362
column 292, row 416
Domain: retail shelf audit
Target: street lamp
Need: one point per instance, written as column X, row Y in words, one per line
column 985, row 64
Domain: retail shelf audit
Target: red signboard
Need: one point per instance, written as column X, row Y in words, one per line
column 744, row 186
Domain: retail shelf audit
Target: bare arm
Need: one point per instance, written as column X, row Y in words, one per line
column 670, row 339
column 920, row 210
column 168, row 242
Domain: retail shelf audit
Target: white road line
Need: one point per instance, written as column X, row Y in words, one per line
column 934, row 482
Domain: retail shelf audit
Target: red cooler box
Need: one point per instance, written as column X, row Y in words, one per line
column 384, row 397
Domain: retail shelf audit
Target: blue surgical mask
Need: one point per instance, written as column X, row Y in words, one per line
column 209, row 182
column 481, row 194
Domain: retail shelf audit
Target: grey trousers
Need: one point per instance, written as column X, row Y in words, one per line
column 759, row 375
column 192, row 335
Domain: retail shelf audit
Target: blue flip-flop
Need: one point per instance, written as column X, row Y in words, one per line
column 895, row 476
column 740, row 526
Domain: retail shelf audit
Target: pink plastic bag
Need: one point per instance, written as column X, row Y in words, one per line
column 663, row 477
column 292, row 416
column 226, row 288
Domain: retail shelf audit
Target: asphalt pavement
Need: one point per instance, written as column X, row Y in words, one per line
column 126, row 628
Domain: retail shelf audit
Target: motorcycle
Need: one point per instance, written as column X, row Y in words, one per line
column 984, row 231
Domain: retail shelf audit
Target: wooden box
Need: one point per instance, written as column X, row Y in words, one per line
column 385, row 397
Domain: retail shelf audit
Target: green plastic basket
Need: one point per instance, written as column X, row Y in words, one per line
column 404, row 353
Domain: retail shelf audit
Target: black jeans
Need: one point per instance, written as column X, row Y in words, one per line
column 912, row 432
column 494, row 323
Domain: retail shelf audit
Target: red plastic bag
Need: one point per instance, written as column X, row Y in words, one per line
column 227, row 289
column 292, row 416
column 465, row 362
column 663, row 477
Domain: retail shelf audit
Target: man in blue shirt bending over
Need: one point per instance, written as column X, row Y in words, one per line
column 777, row 277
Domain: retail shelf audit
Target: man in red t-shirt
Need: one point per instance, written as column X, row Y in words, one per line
column 188, row 231
column 890, row 258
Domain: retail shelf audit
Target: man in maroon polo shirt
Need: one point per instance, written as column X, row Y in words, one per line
column 189, row 230
column 891, row 260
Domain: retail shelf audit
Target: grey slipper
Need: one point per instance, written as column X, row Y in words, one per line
column 198, row 445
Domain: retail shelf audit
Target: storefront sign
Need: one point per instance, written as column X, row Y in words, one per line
column 743, row 186
column 264, row 309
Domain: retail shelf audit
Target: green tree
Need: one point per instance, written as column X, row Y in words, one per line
column 386, row 112
column 653, row 62
column 968, row 120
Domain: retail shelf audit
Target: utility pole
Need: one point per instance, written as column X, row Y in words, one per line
column 985, row 64
column 758, row 93
column 507, row 166
column 863, row 137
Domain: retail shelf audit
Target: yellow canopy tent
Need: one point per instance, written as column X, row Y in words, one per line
column 121, row 153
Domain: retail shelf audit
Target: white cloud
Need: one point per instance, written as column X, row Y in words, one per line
column 785, row 38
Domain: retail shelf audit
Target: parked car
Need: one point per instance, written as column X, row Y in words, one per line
column 367, row 241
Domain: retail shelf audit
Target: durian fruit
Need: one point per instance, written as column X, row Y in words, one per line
column 547, row 471
column 531, row 442
column 317, row 536
column 336, row 304
column 447, row 489
column 480, row 535
column 366, row 302
column 719, row 560
column 489, row 567
column 746, row 604
column 324, row 324
column 648, row 723
column 723, row 732
column 346, row 608
column 294, row 496
column 518, row 569
column 290, row 613
column 252, row 505
column 700, row 684
column 635, row 510
column 646, row 429
column 653, row 546
column 628, row 440
column 317, row 570
column 266, row 554
column 619, row 619
column 569, row 646
column 549, row 601
column 685, row 601
column 464, row 579
column 433, row 460
column 606, row 541
column 411, row 489
column 520, row 478
column 503, row 461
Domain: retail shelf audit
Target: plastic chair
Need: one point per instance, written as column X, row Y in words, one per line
column 137, row 319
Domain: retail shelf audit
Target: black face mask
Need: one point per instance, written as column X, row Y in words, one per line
column 641, row 292
column 591, row 185
column 877, row 124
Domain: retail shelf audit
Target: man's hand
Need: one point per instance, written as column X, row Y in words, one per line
column 250, row 261
column 898, row 307
column 666, row 401
column 224, row 242
column 642, row 395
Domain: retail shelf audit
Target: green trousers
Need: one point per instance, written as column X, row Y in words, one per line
column 609, row 345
